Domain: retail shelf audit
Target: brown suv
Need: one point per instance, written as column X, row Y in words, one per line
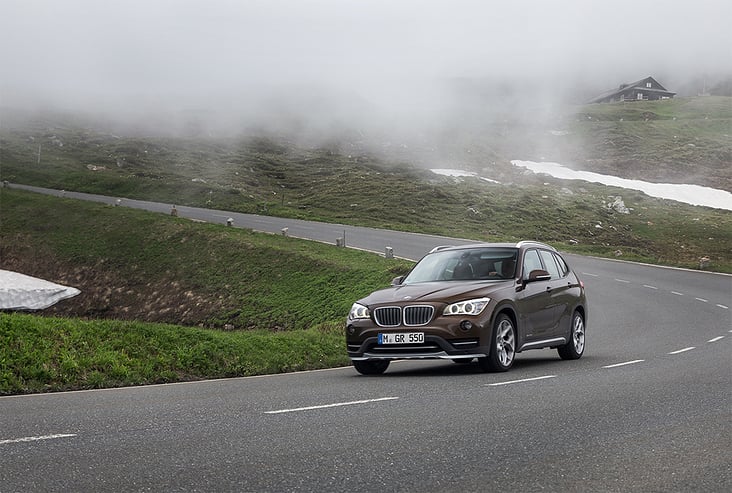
column 486, row 301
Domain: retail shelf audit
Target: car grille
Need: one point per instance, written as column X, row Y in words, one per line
column 393, row 316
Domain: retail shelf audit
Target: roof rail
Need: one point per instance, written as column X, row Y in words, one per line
column 438, row 248
column 538, row 243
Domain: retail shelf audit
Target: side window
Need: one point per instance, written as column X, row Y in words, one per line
column 531, row 262
column 563, row 268
column 550, row 264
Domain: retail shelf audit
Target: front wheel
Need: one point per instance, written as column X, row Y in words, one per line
column 371, row 367
column 503, row 346
column 576, row 344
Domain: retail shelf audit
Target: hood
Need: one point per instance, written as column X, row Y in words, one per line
column 446, row 292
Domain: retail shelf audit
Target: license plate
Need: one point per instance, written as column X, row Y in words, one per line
column 402, row 338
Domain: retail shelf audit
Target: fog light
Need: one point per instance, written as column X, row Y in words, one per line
column 351, row 329
column 466, row 325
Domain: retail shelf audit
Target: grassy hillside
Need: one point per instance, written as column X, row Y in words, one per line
column 684, row 140
column 165, row 299
column 136, row 265
column 342, row 182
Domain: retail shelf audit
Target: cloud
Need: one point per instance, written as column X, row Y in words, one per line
column 388, row 58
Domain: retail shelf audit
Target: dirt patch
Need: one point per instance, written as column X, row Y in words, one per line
column 106, row 293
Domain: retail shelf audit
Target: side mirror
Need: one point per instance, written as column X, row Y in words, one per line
column 397, row 281
column 538, row 275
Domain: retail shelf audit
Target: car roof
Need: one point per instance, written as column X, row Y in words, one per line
column 520, row 244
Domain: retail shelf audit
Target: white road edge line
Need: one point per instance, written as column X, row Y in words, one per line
column 716, row 339
column 682, row 350
column 37, row 438
column 626, row 363
column 324, row 406
column 520, row 381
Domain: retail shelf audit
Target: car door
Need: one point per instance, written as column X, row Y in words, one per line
column 558, row 291
column 535, row 306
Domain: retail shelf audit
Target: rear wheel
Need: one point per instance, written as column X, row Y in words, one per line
column 371, row 367
column 576, row 344
column 503, row 346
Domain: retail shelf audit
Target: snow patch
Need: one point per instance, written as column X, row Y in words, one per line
column 21, row 292
column 689, row 194
column 460, row 173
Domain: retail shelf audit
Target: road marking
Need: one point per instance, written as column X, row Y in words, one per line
column 682, row 350
column 626, row 363
column 37, row 438
column 324, row 406
column 623, row 280
column 677, row 293
column 649, row 286
column 725, row 307
column 716, row 339
column 520, row 381
column 591, row 275
column 702, row 300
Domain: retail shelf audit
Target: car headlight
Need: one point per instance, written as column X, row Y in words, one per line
column 467, row 307
column 358, row 311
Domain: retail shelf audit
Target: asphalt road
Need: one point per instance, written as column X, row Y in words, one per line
column 647, row 408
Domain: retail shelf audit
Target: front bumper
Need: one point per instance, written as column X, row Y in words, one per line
column 434, row 347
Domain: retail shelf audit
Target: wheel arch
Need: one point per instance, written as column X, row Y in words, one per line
column 510, row 311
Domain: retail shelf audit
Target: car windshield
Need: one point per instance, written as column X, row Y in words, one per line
column 487, row 263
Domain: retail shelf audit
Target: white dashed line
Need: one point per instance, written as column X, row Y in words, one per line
column 682, row 350
column 725, row 307
column 591, row 275
column 677, row 293
column 716, row 339
column 520, row 381
column 623, row 280
column 37, row 438
column 324, row 406
column 626, row 363
column 649, row 286
column 702, row 300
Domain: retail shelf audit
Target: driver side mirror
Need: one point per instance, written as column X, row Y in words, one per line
column 538, row 275
column 397, row 281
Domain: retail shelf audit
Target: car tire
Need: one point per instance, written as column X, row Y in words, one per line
column 502, row 346
column 371, row 367
column 575, row 347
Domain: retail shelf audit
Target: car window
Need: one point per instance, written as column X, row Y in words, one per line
column 531, row 262
column 481, row 263
column 563, row 268
column 550, row 264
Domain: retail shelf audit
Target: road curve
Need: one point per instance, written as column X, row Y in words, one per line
column 647, row 408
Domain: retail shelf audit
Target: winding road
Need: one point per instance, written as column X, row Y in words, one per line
column 648, row 407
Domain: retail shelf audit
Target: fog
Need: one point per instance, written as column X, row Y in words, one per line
column 326, row 65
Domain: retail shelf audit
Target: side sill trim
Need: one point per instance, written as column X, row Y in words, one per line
column 546, row 342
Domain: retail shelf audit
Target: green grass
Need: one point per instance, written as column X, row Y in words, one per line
column 42, row 354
